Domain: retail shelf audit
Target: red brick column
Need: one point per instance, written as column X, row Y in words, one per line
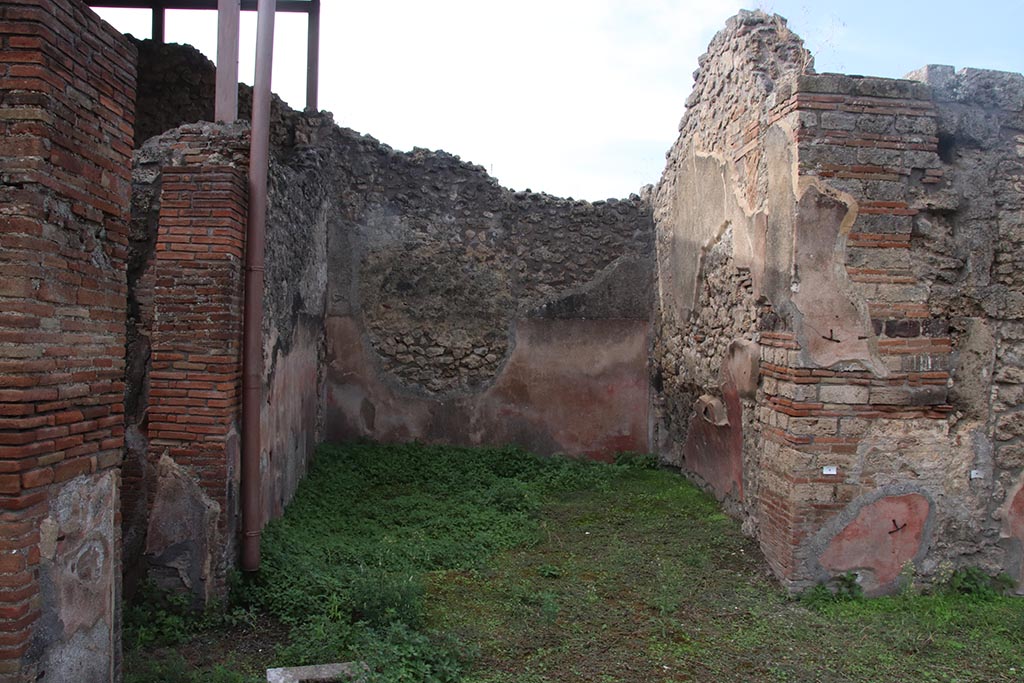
column 195, row 390
column 67, row 88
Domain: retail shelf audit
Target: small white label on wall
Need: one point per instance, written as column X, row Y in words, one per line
column 830, row 470
column 976, row 474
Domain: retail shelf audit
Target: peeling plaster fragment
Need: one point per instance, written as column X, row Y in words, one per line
column 805, row 265
column 714, row 443
column 182, row 539
column 79, row 577
column 742, row 366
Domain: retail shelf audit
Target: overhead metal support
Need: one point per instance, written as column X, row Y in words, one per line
column 227, row 40
column 313, row 56
column 247, row 5
column 159, row 21
column 226, row 102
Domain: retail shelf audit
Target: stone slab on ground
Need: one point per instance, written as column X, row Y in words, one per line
column 318, row 673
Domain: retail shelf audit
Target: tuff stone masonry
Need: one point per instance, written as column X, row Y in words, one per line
column 817, row 313
column 858, row 239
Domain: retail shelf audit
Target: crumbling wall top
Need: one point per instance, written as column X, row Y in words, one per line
column 984, row 87
column 742, row 67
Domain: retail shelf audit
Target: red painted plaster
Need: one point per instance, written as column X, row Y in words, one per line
column 872, row 542
column 715, row 452
column 578, row 387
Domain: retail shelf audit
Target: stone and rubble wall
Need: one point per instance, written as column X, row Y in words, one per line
column 459, row 311
column 970, row 232
column 178, row 85
column 189, row 210
column 710, row 212
column 181, row 505
column 67, row 85
column 867, row 271
column 433, row 267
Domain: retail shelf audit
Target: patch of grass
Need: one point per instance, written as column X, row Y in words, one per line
column 493, row 566
column 157, row 618
column 975, row 582
column 345, row 567
column 172, row 667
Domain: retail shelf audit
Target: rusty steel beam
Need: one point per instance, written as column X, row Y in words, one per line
column 247, row 5
column 157, row 33
column 313, row 57
column 252, row 342
column 226, row 102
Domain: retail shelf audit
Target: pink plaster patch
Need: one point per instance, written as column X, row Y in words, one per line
column 1013, row 527
column 885, row 535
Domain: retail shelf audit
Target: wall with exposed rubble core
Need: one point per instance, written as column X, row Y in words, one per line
column 460, row 311
column 838, row 336
column 408, row 296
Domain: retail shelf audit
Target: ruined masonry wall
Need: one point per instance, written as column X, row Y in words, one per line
column 67, row 87
column 195, row 384
column 184, row 275
column 453, row 304
column 709, row 212
column 858, row 228
column 177, row 85
column 876, row 413
column 432, row 266
column 184, row 270
column 972, row 259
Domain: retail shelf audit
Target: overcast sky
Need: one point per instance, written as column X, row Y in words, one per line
column 573, row 97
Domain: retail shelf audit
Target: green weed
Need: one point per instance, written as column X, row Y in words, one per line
column 975, row 582
column 634, row 460
column 171, row 667
column 562, row 571
column 345, row 566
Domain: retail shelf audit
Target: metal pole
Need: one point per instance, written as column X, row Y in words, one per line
column 252, row 353
column 313, row 56
column 226, row 109
column 157, row 32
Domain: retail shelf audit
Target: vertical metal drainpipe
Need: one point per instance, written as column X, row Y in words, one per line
column 252, row 341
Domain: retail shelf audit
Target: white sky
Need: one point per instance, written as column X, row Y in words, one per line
column 573, row 97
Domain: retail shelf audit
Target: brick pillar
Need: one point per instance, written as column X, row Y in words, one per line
column 849, row 478
column 195, row 390
column 67, row 88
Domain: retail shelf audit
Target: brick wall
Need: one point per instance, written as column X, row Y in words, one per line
column 195, row 382
column 198, row 321
column 66, row 112
column 873, row 140
column 181, row 475
column 193, row 147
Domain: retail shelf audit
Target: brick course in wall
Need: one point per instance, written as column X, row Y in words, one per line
column 195, row 384
column 67, row 84
column 191, row 313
